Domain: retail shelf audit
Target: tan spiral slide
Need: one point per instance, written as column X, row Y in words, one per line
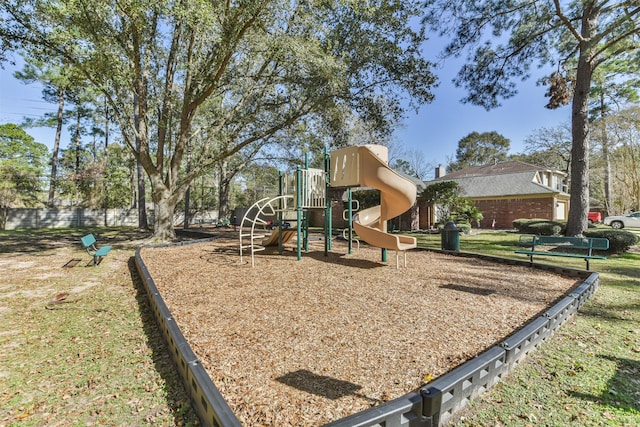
column 366, row 166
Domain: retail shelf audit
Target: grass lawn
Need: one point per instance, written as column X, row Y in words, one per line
column 588, row 373
column 96, row 356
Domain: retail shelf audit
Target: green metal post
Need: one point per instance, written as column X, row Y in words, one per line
column 350, row 218
column 298, row 212
column 305, row 213
column 279, row 216
column 327, row 209
column 305, row 229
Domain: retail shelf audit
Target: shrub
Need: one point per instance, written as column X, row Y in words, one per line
column 519, row 223
column 544, row 227
column 619, row 241
column 464, row 227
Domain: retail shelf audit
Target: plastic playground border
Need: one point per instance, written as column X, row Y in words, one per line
column 430, row 406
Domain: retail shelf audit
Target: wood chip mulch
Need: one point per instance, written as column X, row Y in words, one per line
column 303, row 343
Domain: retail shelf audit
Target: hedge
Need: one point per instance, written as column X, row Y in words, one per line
column 543, row 227
column 619, row 241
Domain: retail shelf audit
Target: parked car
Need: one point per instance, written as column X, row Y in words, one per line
column 631, row 220
column 595, row 217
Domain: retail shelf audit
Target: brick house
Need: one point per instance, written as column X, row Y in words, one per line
column 409, row 220
column 507, row 191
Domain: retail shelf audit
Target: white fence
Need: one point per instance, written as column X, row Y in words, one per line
column 78, row 217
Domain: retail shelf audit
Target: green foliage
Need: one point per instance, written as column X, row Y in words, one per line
column 619, row 241
column 477, row 149
column 504, row 38
column 404, row 166
column 466, row 212
column 236, row 74
column 259, row 181
column 623, row 130
column 22, row 163
column 465, row 227
column 440, row 192
column 366, row 198
column 543, row 227
column 117, row 179
column 525, row 31
column 450, row 206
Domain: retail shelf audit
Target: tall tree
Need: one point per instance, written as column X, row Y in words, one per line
column 478, row 149
column 413, row 162
column 615, row 85
column 624, row 134
column 55, row 82
column 549, row 147
column 22, row 162
column 577, row 37
column 159, row 62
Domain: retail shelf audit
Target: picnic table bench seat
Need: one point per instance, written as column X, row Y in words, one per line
column 89, row 243
column 586, row 245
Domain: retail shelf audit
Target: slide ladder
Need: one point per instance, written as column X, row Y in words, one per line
column 267, row 207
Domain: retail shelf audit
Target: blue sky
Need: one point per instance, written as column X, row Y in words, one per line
column 438, row 126
column 435, row 130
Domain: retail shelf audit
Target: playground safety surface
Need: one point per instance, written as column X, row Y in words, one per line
column 303, row 343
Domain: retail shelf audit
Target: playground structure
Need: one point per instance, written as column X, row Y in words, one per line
column 304, row 191
column 367, row 166
column 431, row 405
column 356, row 166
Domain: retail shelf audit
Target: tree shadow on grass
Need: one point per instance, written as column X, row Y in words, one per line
column 611, row 311
column 44, row 239
column 623, row 388
column 178, row 399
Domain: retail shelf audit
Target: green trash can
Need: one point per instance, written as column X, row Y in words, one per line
column 450, row 237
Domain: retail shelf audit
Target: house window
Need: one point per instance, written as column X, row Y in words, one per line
column 545, row 179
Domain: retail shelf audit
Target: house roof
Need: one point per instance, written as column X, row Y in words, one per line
column 420, row 185
column 499, row 180
column 502, row 168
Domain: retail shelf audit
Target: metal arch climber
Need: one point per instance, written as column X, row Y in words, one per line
column 307, row 190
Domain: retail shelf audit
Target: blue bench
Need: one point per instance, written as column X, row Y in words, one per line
column 89, row 243
column 585, row 244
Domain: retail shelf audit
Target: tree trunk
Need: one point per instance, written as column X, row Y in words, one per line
column 133, row 195
column 56, row 150
column 187, row 201
column 76, row 140
column 143, row 223
column 106, row 125
column 141, row 133
column 164, row 207
column 224, row 191
column 578, row 219
column 187, row 196
column 606, row 158
column 225, row 199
